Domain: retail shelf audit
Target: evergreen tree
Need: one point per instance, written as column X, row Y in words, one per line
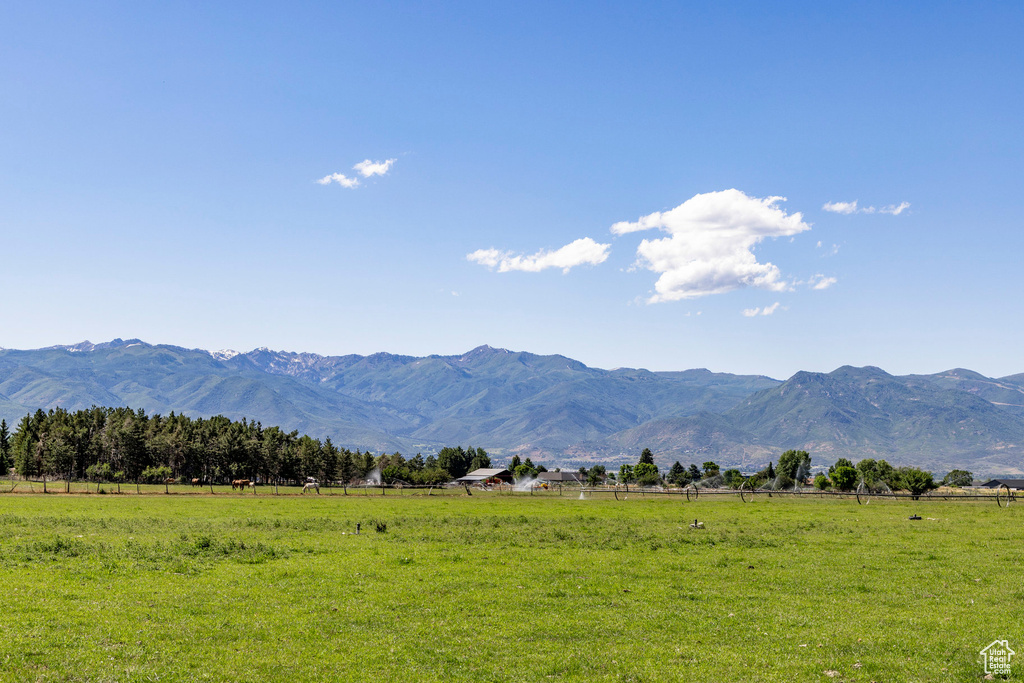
column 694, row 473
column 646, row 457
column 478, row 459
column 5, row 448
column 329, row 462
column 368, row 463
column 23, row 447
column 454, row 461
column 346, row 468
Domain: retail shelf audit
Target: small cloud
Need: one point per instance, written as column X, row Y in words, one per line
column 851, row 207
column 365, row 168
column 368, row 169
column 841, row 207
column 341, row 179
column 455, row 294
column 767, row 310
column 709, row 248
column 577, row 253
column 894, row 209
column 820, row 281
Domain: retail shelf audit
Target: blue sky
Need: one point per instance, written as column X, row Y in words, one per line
column 159, row 168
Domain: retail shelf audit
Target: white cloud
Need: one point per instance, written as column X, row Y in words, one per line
column 895, row 209
column 710, row 242
column 851, row 207
column 820, row 281
column 842, row 207
column 767, row 310
column 341, row 179
column 367, row 168
column 580, row 252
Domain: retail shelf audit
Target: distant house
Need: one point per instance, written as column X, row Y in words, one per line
column 483, row 475
column 1012, row 484
column 561, row 477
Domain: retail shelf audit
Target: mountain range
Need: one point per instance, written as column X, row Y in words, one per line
column 551, row 408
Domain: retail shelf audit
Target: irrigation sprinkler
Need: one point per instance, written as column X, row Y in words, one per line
column 696, row 492
column 747, row 491
column 1003, row 496
column 863, row 496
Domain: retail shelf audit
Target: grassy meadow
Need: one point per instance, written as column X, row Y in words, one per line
column 503, row 587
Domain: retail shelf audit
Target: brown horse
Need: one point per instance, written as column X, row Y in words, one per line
column 239, row 484
column 197, row 482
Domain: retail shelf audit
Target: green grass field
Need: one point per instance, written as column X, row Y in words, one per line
column 499, row 587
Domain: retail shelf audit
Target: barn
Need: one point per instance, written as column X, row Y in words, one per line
column 1012, row 484
column 484, row 475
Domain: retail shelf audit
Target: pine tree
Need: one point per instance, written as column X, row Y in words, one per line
column 5, row 448
column 346, row 469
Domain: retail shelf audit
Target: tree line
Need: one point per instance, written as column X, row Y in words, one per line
column 793, row 468
column 126, row 445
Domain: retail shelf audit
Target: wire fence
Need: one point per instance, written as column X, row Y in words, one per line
column 1002, row 496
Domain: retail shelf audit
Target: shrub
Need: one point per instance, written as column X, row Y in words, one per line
column 156, row 475
column 916, row 481
column 844, row 477
column 99, row 472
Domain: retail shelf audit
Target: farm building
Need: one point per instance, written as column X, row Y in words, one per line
column 560, row 477
column 484, row 475
column 1012, row 484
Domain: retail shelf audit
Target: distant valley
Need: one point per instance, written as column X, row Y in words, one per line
column 551, row 408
